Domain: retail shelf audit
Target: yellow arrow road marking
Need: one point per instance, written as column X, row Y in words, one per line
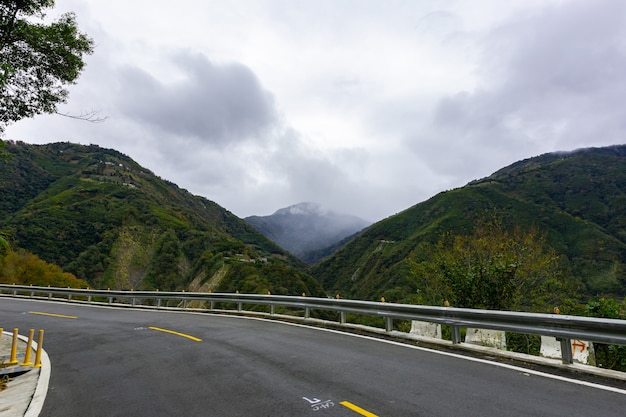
column 357, row 409
column 52, row 315
column 176, row 333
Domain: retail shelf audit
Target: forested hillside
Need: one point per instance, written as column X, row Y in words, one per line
column 548, row 231
column 571, row 205
column 100, row 216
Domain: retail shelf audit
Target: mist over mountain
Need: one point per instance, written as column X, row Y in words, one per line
column 307, row 230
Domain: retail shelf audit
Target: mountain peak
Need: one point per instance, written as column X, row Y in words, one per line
column 305, row 208
column 307, row 229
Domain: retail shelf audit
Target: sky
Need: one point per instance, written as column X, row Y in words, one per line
column 365, row 107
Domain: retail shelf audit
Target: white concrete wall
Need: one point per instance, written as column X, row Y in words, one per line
column 582, row 351
column 485, row 337
column 422, row 328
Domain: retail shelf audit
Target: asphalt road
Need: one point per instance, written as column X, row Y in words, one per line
column 122, row 362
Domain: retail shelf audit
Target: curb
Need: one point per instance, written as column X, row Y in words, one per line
column 40, row 388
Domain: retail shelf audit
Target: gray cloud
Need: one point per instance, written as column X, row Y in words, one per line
column 549, row 80
column 219, row 104
column 563, row 65
column 381, row 106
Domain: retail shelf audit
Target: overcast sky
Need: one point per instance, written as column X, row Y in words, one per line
column 366, row 107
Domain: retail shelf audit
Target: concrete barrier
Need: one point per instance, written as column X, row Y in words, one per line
column 422, row 328
column 485, row 337
column 582, row 351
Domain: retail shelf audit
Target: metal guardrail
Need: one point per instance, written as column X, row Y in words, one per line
column 563, row 327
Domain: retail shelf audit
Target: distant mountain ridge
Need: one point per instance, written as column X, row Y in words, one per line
column 307, row 230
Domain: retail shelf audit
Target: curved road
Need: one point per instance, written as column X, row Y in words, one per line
column 123, row 362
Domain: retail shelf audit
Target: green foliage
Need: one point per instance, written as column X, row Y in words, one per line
column 493, row 268
column 575, row 202
column 37, row 61
column 608, row 356
column 261, row 277
column 529, row 344
column 6, row 71
column 165, row 272
column 3, row 155
column 607, row 308
column 24, row 268
column 102, row 217
column 4, row 245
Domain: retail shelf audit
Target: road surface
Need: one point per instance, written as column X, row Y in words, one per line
column 125, row 362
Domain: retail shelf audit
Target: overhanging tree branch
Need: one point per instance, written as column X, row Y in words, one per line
column 92, row 116
column 37, row 61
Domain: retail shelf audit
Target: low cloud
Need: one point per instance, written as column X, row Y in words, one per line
column 380, row 107
column 216, row 104
column 551, row 77
column 548, row 80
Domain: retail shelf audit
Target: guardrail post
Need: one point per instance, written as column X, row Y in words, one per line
column 343, row 317
column 566, row 351
column 212, row 305
column 456, row 334
column 184, row 304
column 158, row 303
column 272, row 309
column 388, row 324
column 13, row 359
column 307, row 313
column 29, row 344
column 239, row 306
column 39, row 349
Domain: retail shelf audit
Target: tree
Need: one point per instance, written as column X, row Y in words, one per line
column 493, row 268
column 608, row 356
column 3, row 155
column 37, row 60
column 24, row 268
column 4, row 246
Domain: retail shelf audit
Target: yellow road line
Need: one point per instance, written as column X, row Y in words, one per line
column 176, row 333
column 52, row 315
column 357, row 409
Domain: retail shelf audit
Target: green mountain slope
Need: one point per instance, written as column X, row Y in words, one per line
column 578, row 200
column 99, row 215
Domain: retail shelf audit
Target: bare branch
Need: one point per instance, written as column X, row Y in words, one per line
column 92, row 116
